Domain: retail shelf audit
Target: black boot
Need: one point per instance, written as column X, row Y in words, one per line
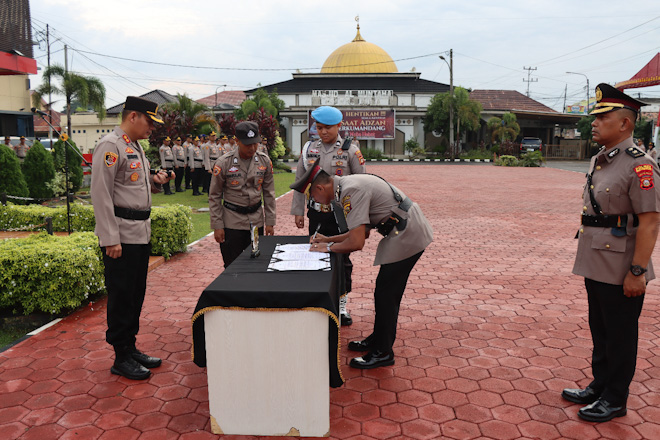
column 145, row 360
column 128, row 367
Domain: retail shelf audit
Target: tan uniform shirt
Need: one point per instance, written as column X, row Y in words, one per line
column 166, row 157
column 195, row 156
column 368, row 200
column 186, row 148
column 120, row 177
column 242, row 182
column 333, row 160
column 212, row 152
column 21, row 150
column 179, row 153
column 622, row 184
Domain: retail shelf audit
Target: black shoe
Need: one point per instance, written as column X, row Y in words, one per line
column 179, row 190
column 584, row 397
column 169, row 193
column 196, row 194
column 145, row 360
column 373, row 359
column 601, row 411
column 345, row 318
column 130, row 369
column 364, row 345
column 188, row 187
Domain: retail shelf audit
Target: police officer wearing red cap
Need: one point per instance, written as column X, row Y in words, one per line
column 121, row 193
column 336, row 157
column 241, row 180
column 367, row 202
column 618, row 233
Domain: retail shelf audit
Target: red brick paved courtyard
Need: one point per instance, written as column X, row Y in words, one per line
column 492, row 328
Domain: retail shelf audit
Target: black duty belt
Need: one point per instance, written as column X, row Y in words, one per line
column 132, row 214
column 608, row 221
column 241, row 209
column 199, row 160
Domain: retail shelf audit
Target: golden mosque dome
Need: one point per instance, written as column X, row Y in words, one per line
column 359, row 56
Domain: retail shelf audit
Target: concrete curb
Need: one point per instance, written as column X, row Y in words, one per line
column 411, row 160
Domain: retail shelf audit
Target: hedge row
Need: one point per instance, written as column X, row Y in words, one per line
column 171, row 225
column 49, row 273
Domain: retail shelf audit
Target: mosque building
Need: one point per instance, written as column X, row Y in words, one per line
column 382, row 107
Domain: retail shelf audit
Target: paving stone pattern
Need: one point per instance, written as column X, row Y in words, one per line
column 492, row 327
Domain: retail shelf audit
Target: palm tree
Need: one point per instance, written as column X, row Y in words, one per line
column 194, row 112
column 88, row 90
column 505, row 128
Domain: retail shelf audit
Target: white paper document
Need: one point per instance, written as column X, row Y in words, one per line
column 289, row 257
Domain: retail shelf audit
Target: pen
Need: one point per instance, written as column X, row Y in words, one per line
column 317, row 230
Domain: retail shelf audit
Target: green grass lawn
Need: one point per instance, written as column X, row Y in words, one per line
column 201, row 220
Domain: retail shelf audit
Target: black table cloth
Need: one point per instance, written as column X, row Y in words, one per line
column 247, row 285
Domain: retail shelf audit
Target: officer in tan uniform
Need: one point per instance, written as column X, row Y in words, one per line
column 8, row 142
column 21, row 149
column 367, row 202
column 618, row 233
column 212, row 152
column 241, row 178
column 196, row 164
column 121, row 193
column 338, row 157
column 179, row 153
column 188, row 145
column 166, row 161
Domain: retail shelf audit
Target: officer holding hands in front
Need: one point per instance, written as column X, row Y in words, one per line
column 337, row 157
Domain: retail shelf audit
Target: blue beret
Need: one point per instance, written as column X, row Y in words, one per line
column 327, row 115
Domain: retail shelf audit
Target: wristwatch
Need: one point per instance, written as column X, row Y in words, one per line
column 329, row 244
column 637, row 270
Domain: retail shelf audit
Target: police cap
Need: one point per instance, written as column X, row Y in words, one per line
column 610, row 98
column 248, row 132
column 141, row 105
column 306, row 180
column 327, row 115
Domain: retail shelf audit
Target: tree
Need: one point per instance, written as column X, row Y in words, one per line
column 643, row 130
column 270, row 102
column 181, row 117
column 38, row 169
column 87, row 90
column 504, row 129
column 584, row 127
column 467, row 113
column 228, row 124
column 74, row 160
column 267, row 127
column 12, row 181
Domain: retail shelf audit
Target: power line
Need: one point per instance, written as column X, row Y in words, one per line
column 288, row 69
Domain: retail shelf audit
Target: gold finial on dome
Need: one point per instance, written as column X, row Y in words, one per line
column 358, row 37
column 359, row 56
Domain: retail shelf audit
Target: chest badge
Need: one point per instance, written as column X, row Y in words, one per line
column 135, row 165
column 339, row 163
column 129, row 150
column 339, row 172
column 135, row 177
column 232, row 169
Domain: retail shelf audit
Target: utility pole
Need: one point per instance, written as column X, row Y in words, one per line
column 66, row 155
column 50, row 98
column 565, row 92
column 529, row 80
column 451, row 102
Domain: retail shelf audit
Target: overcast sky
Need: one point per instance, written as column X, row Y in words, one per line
column 223, row 45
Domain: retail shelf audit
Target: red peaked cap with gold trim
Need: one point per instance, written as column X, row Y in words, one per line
column 306, row 180
column 142, row 105
column 610, row 98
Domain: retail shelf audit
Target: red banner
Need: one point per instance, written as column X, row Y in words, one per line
column 366, row 124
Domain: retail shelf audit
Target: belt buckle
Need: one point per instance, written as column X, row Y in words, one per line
column 325, row 208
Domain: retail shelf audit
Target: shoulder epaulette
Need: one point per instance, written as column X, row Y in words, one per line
column 634, row 152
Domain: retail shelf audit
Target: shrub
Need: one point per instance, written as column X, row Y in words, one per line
column 171, row 226
column 171, row 229
column 75, row 167
column 371, row 153
column 411, row 145
column 39, row 170
column 48, row 273
column 531, row 159
column 507, row 161
column 12, row 181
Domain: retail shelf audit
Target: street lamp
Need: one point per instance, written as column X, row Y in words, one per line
column 216, row 95
column 586, row 107
column 451, row 100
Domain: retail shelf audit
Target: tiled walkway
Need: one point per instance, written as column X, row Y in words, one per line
column 492, row 327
